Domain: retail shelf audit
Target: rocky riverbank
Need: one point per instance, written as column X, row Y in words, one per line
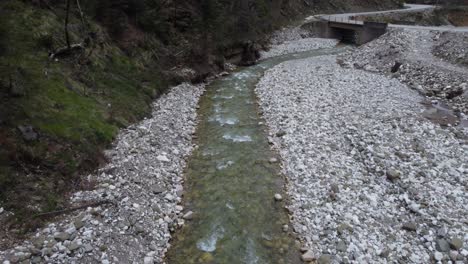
column 370, row 180
column 143, row 187
column 408, row 55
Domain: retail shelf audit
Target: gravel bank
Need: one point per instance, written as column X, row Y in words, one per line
column 453, row 47
column 370, row 180
column 143, row 181
column 420, row 69
column 298, row 45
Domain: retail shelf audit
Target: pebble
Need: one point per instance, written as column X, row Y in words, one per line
column 278, row 197
column 438, row 256
column 273, row 160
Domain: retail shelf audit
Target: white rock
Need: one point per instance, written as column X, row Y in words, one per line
column 162, row 158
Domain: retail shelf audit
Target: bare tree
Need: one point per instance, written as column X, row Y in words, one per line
column 67, row 36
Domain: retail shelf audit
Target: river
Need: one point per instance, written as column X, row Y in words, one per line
column 232, row 178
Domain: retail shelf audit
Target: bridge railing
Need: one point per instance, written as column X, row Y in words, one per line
column 344, row 20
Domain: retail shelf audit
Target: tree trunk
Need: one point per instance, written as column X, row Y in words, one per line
column 67, row 37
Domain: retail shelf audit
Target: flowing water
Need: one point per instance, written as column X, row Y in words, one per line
column 230, row 182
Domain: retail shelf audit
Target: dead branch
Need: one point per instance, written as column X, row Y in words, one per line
column 83, row 22
column 69, row 210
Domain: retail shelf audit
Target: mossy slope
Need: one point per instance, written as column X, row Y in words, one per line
column 75, row 104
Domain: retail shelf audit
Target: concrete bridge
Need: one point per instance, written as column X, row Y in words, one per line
column 349, row 31
column 346, row 28
column 356, row 32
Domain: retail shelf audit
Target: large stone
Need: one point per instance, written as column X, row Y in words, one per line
column 442, row 245
column 410, row 226
column 73, row 246
column 456, row 243
column 62, row 236
column 162, row 158
column 393, row 175
column 341, row 247
column 148, row 260
column 28, row 132
column 88, row 248
column 157, row 189
column 281, row 133
column 324, row 259
column 38, row 242
column 78, row 223
column 342, row 228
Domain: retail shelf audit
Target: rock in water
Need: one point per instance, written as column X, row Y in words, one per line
column 309, row 256
column 188, row 215
column 278, row 197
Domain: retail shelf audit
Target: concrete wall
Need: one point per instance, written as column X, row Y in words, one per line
column 318, row 29
column 358, row 34
column 371, row 31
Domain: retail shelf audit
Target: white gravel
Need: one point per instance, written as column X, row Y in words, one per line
column 432, row 76
column 143, row 180
column 370, row 180
column 298, row 45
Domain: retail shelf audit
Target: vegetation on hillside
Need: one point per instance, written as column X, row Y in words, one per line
column 60, row 107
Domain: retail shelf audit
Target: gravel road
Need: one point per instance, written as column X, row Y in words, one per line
column 370, row 180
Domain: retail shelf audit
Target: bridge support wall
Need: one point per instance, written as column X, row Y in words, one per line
column 356, row 33
column 371, row 31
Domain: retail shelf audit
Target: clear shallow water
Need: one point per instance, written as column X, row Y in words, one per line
column 230, row 183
